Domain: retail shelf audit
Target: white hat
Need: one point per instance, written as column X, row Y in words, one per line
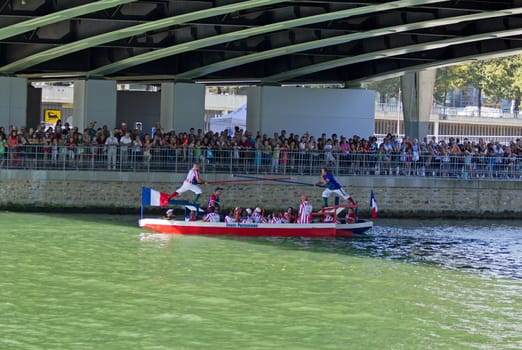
column 258, row 210
column 249, row 211
column 170, row 211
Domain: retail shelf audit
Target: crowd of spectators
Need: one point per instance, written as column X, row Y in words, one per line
column 63, row 146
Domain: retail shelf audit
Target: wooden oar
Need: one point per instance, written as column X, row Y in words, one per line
column 284, row 180
column 253, row 179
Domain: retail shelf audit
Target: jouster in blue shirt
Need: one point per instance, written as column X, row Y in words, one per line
column 329, row 181
column 332, row 186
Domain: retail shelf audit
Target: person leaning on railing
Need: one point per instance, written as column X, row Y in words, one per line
column 12, row 147
column 298, row 154
column 3, row 149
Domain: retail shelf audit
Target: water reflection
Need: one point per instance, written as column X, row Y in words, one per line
column 479, row 246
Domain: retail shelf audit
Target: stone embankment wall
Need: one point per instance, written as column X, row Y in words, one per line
column 396, row 196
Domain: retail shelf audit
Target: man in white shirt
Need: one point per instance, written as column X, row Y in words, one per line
column 111, row 146
column 125, row 143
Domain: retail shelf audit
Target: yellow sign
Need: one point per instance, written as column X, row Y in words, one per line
column 51, row 116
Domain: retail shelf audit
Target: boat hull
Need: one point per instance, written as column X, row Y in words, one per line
column 313, row 230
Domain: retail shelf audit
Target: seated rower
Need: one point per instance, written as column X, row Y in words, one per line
column 169, row 215
column 288, row 215
column 212, row 216
column 192, row 216
column 328, row 218
column 237, row 214
column 246, row 216
column 257, row 216
column 276, row 218
column 351, row 217
column 230, row 217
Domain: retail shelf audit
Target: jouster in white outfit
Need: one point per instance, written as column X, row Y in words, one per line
column 190, row 183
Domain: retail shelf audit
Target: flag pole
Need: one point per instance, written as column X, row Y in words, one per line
column 373, row 205
column 141, row 202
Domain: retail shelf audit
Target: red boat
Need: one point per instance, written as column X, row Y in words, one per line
column 314, row 230
column 336, row 227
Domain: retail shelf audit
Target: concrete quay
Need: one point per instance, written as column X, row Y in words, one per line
column 104, row 191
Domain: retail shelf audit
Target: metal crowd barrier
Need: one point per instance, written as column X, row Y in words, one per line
column 251, row 161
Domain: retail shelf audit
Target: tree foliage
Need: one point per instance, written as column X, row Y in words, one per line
column 386, row 88
column 499, row 78
column 444, row 82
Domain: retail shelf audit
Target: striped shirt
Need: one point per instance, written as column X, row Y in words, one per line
column 257, row 218
column 192, row 176
column 304, row 215
column 328, row 218
column 212, row 217
column 276, row 220
column 230, row 219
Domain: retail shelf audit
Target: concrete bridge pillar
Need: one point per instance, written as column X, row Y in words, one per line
column 94, row 100
column 417, row 91
column 182, row 106
column 13, row 102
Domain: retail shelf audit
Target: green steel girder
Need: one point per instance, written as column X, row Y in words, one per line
column 59, row 16
column 241, row 34
column 96, row 40
column 266, row 41
column 342, row 39
column 438, row 64
column 386, row 53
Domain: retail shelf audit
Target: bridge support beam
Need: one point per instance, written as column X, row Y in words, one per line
column 417, row 91
column 13, row 102
column 94, row 100
column 182, row 106
column 332, row 111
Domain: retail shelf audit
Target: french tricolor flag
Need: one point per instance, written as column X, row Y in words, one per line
column 154, row 198
column 373, row 206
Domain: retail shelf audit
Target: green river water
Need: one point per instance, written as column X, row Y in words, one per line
column 95, row 282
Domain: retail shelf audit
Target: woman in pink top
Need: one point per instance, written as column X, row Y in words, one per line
column 12, row 146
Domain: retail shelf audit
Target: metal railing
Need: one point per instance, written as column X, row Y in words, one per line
column 258, row 161
column 442, row 112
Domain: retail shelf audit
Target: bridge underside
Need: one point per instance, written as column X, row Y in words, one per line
column 253, row 42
